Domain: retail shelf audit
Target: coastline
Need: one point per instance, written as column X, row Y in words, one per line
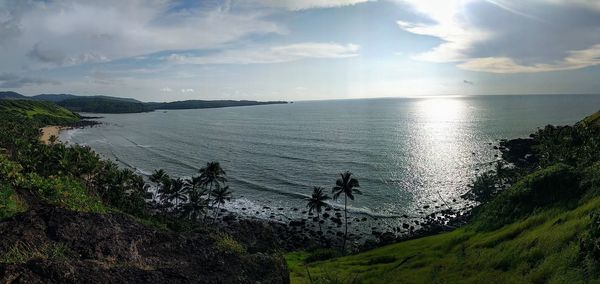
column 49, row 131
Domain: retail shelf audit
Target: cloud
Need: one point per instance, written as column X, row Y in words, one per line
column 468, row 82
column 296, row 5
column 8, row 80
column 576, row 60
column 187, row 90
column 69, row 32
column 276, row 54
column 498, row 36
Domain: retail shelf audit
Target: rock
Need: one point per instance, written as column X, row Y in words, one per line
column 426, row 206
column 97, row 245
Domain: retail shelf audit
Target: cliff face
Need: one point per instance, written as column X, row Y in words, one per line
column 54, row 245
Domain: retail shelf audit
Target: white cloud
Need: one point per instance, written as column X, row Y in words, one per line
column 450, row 25
column 470, row 41
column 277, row 54
column 70, row 32
column 296, row 5
column 575, row 60
column 591, row 4
column 187, row 90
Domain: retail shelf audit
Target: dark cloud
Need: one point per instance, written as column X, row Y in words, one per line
column 468, row 82
column 46, row 55
column 8, row 80
column 538, row 33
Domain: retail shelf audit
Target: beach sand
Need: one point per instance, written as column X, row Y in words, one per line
column 48, row 132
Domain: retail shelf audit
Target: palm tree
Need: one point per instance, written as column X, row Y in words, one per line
column 346, row 185
column 195, row 207
column 222, row 195
column 158, row 177
column 210, row 175
column 178, row 191
column 316, row 203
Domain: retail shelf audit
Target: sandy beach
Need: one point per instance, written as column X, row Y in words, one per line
column 50, row 131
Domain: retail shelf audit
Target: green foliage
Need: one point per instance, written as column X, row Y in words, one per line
column 542, row 248
column 43, row 113
column 63, row 191
column 322, row 254
column 227, row 244
column 10, row 203
column 589, row 246
column 552, row 185
column 23, row 252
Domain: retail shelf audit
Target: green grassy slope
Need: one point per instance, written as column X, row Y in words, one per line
column 593, row 119
column 42, row 112
column 539, row 249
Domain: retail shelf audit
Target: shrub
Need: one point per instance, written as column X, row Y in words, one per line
column 226, row 243
column 550, row 186
column 322, row 254
column 63, row 191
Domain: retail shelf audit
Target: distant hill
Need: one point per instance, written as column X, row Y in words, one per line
column 196, row 104
column 107, row 104
column 55, row 98
column 11, row 96
column 104, row 105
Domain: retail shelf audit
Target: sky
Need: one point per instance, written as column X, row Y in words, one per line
column 166, row 50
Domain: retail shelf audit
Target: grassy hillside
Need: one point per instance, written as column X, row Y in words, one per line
column 593, row 119
column 41, row 112
column 543, row 227
column 543, row 248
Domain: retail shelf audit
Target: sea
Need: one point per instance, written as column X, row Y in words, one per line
column 411, row 156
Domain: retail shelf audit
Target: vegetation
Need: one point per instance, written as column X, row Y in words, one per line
column 104, row 105
column 346, row 185
column 316, row 203
column 107, row 104
column 41, row 112
column 74, row 177
column 538, row 222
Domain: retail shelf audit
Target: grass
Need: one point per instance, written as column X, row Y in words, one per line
column 542, row 248
column 65, row 192
column 10, row 203
column 593, row 119
column 44, row 113
column 226, row 243
column 23, row 252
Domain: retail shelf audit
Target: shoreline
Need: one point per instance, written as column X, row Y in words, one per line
column 49, row 131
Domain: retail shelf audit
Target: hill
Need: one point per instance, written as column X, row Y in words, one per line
column 538, row 222
column 107, row 104
column 198, row 104
column 11, row 96
column 103, row 105
column 40, row 112
column 55, row 98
